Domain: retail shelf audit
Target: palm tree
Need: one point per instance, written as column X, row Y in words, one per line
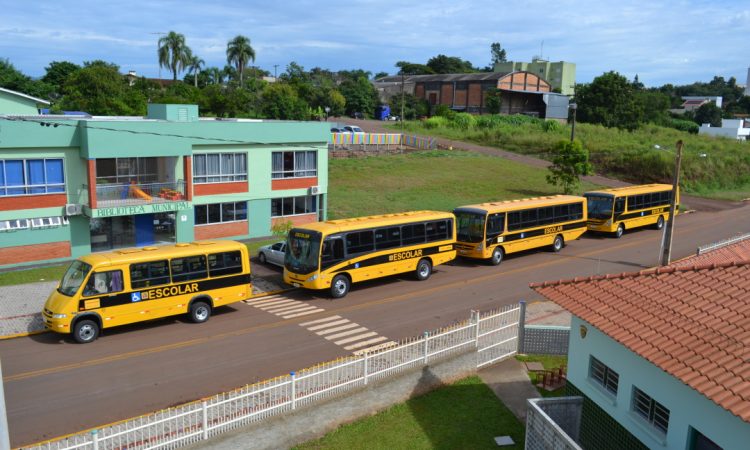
column 215, row 75
column 173, row 53
column 239, row 53
column 194, row 66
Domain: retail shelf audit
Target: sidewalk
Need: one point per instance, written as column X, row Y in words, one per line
column 21, row 304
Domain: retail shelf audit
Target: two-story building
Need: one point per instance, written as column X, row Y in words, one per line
column 71, row 185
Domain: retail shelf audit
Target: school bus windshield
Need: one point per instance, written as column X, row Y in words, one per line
column 303, row 251
column 599, row 207
column 73, row 278
column 470, row 226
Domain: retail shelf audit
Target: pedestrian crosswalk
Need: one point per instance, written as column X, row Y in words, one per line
column 347, row 334
column 283, row 306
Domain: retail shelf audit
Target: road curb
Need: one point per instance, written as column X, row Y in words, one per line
column 17, row 335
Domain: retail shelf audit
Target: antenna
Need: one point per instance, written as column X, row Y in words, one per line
column 541, row 53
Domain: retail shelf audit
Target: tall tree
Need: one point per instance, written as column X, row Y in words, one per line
column 407, row 68
column 11, row 78
column 498, row 53
column 215, row 75
column 450, row 64
column 239, row 53
column 708, row 113
column 194, row 66
column 58, row 72
column 99, row 89
column 173, row 53
column 609, row 100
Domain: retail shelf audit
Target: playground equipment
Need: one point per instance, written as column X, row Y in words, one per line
column 138, row 192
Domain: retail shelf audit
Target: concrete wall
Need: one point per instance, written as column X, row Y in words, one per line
column 315, row 421
column 13, row 104
column 687, row 407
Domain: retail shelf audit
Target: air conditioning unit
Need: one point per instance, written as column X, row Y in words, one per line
column 314, row 190
column 73, row 209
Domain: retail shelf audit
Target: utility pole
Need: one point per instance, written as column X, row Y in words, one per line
column 573, row 107
column 274, row 70
column 401, row 117
column 667, row 251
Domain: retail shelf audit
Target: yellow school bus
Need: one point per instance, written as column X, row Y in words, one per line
column 334, row 254
column 104, row 290
column 489, row 231
column 619, row 209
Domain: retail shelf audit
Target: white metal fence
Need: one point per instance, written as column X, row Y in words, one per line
column 493, row 335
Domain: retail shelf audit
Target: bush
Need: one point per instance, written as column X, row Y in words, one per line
column 488, row 122
column 463, row 121
column 682, row 125
column 551, row 126
column 445, row 111
column 435, row 122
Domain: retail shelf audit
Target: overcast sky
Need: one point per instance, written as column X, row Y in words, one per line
column 676, row 42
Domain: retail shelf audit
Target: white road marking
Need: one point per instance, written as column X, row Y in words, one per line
column 376, row 347
column 356, row 338
column 333, row 330
column 312, row 322
column 362, row 344
column 312, row 311
column 346, row 333
column 326, row 325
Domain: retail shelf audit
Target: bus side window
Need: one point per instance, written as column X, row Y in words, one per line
column 495, row 224
column 333, row 251
column 103, row 283
column 619, row 205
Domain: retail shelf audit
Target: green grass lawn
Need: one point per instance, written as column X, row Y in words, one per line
column 436, row 180
column 549, row 362
column 464, row 415
column 51, row 273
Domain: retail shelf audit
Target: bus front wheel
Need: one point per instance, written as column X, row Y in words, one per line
column 424, row 270
column 558, row 244
column 619, row 231
column 340, row 286
column 200, row 312
column 497, row 256
column 85, row 331
column 660, row 223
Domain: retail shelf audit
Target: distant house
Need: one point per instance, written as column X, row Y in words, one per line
column 693, row 102
column 18, row 103
column 520, row 92
column 661, row 357
column 730, row 128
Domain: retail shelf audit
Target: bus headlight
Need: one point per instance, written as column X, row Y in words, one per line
column 312, row 278
column 480, row 247
column 59, row 316
column 608, row 223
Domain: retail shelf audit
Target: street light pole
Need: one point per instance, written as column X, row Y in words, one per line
column 667, row 251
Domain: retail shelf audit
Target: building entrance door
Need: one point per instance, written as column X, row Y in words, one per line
column 144, row 230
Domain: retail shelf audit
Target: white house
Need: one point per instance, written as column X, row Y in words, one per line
column 730, row 128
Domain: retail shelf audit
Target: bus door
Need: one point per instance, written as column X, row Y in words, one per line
column 618, row 210
column 333, row 252
column 495, row 228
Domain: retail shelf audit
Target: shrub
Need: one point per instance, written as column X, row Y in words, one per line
column 463, row 121
column 444, row 111
column 488, row 121
column 435, row 122
column 551, row 126
column 682, row 125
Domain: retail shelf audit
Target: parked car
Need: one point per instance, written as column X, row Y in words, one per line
column 353, row 129
column 335, row 130
column 272, row 254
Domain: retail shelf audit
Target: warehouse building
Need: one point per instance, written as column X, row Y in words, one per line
column 71, row 185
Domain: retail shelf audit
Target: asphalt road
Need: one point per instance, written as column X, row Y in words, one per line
column 54, row 387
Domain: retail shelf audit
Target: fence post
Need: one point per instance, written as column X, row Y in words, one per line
column 95, row 437
column 521, row 326
column 294, row 393
column 365, row 362
column 426, row 341
column 204, row 406
column 476, row 332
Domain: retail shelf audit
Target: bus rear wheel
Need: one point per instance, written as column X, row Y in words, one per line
column 660, row 223
column 340, row 286
column 85, row 331
column 619, row 231
column 200, row 312
column 497, row 256
column 558, row 244
column 424, row 270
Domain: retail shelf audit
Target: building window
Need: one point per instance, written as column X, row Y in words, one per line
column 220, row 212
column 292, row 206
column 126, row 170
column 650, row 410
column 603, row 375
column 219, row 167
column 294, row 164
column 31, row 176
column 15, row 224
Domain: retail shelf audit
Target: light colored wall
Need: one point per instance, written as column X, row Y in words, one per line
column 687, row 407
column 13, row 104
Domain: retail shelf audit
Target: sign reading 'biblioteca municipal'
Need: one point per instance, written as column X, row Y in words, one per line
column 139, row 209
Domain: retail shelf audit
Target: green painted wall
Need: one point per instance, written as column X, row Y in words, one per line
column 14, row 104
column 259, row 215
column 33, row 236
column 184, row 229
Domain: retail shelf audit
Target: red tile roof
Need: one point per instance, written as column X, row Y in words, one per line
column 692, row 322
column 736, row 249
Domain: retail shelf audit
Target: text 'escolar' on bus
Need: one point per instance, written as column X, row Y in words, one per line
column 108, row 289
column 334, row 254
column 492, row 230
column 619, row 209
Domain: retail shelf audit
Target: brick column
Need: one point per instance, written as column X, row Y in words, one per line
column 187, row 163
column 92, row 183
